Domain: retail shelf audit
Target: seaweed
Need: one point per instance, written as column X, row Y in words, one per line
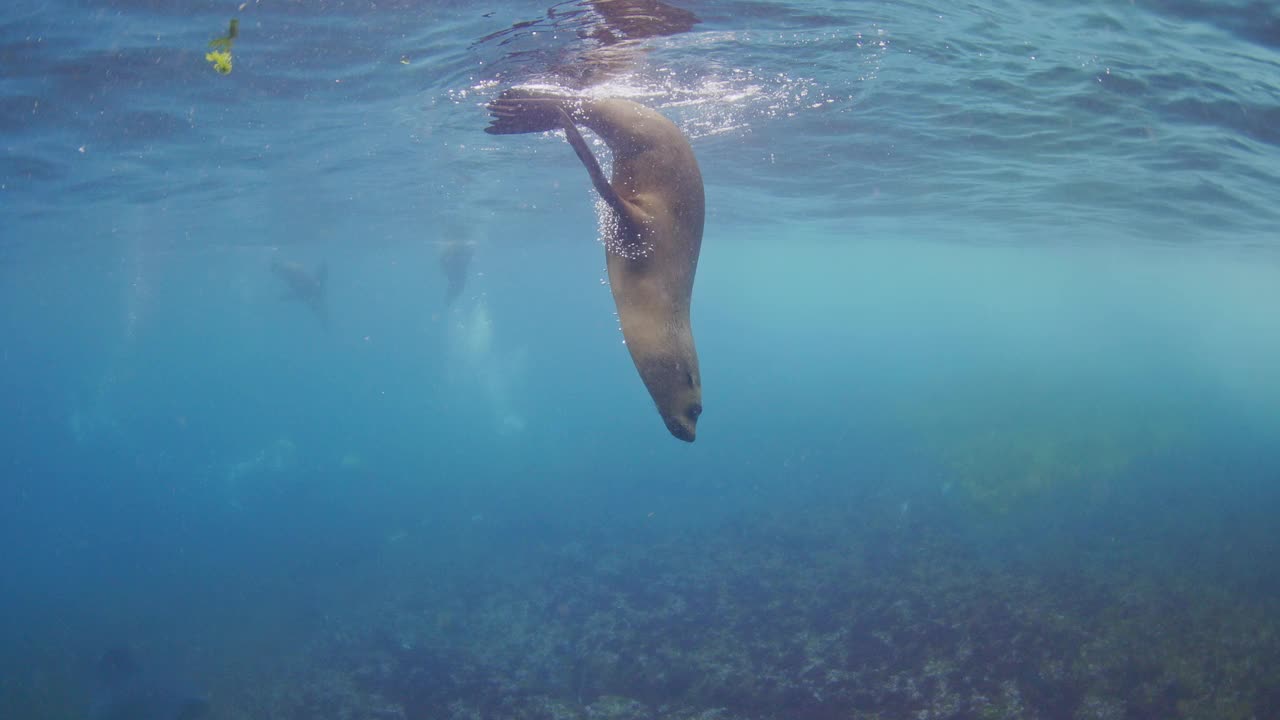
column 220, row 49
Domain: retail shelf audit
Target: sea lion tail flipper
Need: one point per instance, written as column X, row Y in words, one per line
column 521, row 110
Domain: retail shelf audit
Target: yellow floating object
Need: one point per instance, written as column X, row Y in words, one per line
column 220, row 54
column 221, row 60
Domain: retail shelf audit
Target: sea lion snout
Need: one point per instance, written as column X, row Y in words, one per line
column 676, row 389
column 685, row 425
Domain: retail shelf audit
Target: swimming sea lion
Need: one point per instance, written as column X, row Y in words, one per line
column 304, row 285
column 652, row 248
column 125, row 690
column 455, row 257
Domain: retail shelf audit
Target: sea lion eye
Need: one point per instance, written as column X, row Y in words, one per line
column 689, row 377
column 695, row 410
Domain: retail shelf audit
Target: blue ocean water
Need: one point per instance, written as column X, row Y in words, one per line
column 986, row 314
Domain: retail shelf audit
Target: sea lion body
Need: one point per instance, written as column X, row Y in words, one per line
column 652, row 250
column 455, row 257
column 304, row 285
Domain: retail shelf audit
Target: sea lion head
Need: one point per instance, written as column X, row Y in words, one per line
column 676, row 388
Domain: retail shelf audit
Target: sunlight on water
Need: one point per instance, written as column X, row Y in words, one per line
column 712, row 98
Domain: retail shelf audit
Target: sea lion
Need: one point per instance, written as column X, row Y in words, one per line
column 127, row 691
column 455, row 257
column 304, row 285
column 652, row 247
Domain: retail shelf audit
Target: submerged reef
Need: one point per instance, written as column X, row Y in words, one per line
column 849, row 614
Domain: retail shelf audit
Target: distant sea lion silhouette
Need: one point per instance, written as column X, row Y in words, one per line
column 455, row 258
column 652, row 250
column 127, row 691
column 304, row 285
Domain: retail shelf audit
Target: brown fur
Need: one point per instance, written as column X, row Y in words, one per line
column 656, row 194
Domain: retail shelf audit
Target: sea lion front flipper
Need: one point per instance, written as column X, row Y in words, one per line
column 588, row 159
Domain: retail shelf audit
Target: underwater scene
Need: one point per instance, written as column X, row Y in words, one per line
column 639, row 360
